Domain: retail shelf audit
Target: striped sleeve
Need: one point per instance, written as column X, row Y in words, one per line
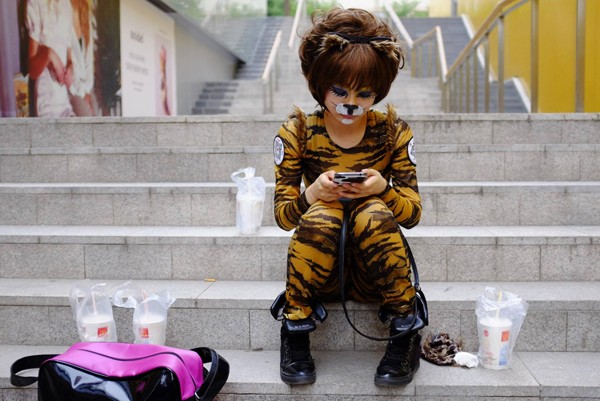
column 403, row 197
column 289, row 203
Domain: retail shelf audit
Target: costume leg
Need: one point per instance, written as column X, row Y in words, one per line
column 381, row 270
column 312, row 256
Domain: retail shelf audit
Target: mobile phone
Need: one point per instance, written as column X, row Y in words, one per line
column 346, row 178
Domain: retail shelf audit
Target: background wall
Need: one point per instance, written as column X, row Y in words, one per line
column 557, row 33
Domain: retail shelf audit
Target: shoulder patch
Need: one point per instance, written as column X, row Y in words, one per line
column 412, row 155
column 278, row 150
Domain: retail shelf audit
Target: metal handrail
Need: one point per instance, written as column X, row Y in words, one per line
column 436, row 48
column 485, row 29
column 398, row 24
column 459, row 74
column 300, row 11
column 460, row 83
column 270, row 76
column 433, row 37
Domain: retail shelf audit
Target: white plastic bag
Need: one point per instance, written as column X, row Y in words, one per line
column 149, row 312
column 500, row 315
column 92, row 312
column 250, row 200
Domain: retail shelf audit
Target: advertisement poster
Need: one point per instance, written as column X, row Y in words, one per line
column 68, row 58
column 148, row 60
column 61, row 58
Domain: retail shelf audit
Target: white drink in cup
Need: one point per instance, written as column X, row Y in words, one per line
column 249, row 215
column 98, row 327
column 494, row 336
column 150, row 328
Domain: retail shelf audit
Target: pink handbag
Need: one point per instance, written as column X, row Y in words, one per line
column 124, row 372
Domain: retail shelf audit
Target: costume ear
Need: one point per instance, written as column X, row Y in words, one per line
column 330, row 40
column 390, row 48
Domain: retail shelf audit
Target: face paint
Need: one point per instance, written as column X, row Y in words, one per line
column 349, row 104
column 349, row 110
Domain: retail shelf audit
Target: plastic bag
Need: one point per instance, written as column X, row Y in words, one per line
column 149, row 312
column 500, row 315
column 92, row 311
column 250, row 200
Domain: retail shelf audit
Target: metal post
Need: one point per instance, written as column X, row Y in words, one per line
column 468, row 84
column 501, row 64
column 460, row 88
column 580, row 58
column 431, row 58
column 475, row 81
column 486, row 72
column 534, row 56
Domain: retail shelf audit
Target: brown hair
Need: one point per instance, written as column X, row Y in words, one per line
column 352, row 48
column 82, row 9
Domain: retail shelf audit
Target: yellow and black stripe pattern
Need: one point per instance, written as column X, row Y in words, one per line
column 378, row 267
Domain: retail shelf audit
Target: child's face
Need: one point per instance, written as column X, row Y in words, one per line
column 348, row 105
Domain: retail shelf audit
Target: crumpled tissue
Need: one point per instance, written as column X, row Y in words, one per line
column 466, row 359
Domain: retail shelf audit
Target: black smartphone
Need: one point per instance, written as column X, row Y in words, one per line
column 345, row 178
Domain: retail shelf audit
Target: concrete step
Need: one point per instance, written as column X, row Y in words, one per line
column 452, row 253
column 239, row 130
column 561, row 317
column 348, row 375
column 499, row 162
column 543, row 203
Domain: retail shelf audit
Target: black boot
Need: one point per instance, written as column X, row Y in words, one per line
column 296, row 363
column 401, row 360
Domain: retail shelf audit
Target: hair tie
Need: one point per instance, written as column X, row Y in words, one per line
column 361, row 39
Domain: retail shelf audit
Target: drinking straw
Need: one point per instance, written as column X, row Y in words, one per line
column 94, row 303
column 145, row 296
column 499, row 300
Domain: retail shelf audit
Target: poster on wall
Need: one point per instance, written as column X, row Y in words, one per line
column 61, row 58
column 148, row 60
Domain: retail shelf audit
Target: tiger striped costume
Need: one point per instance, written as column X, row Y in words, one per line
column 378, row 267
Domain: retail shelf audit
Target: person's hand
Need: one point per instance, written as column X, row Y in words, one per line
column 373, row 185
column 55, row 66
column 68, row 77
column 323, row 189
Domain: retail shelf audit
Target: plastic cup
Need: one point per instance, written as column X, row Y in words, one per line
column 150, row 329
column 99, row 327
column 249, row 215
column 494, row 339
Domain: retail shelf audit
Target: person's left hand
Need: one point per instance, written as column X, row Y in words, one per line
column 373, row 185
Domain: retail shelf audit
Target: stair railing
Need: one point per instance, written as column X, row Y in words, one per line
column 461, row 82
column 300, row 14
column 397, row 24
column 436, row 60
column 462, row 79
column 270, row 76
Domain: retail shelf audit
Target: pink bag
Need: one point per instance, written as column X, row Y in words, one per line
column 125, row 372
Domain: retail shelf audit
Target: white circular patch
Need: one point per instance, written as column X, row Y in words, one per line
column 278, row 150
column 411, row 151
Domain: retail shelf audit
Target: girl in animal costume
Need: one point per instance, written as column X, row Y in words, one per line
column 349, row 59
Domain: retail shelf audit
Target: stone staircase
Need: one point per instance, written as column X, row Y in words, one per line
column 510, row 200
column 251, row 38
column 244, row 94
column 455, row 38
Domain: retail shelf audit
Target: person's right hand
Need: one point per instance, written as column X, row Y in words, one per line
column 56, row 67
column 323, row 189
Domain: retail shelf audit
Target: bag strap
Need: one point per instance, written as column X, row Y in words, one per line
column 26, row 363
column 215, row 378
column 341, row 263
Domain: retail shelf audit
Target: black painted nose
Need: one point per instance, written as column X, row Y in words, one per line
column 350, row 108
